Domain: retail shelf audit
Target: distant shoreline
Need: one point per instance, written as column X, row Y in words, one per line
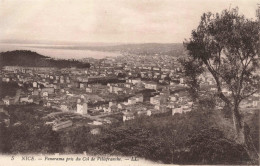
column 59, row 53
column 98, row 51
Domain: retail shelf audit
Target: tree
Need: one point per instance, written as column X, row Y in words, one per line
column 193, row 68
column 4, row 139
column 227, row 46
column 209, row 146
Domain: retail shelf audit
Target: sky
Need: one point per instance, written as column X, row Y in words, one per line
column 127, row 21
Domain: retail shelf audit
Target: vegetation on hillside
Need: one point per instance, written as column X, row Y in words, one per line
column 8, row 89
column 159, row 138
column 27, row 133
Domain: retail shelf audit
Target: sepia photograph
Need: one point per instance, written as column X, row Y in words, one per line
column 129, row 82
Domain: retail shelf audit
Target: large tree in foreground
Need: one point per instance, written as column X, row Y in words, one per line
column 227, row 46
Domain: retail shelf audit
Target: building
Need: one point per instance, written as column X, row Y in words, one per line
column 182, row 109
column 135, row 81
column 35, row 84
column 45, row 94
column 82, row 108
column 8, row 100
column 115, row 89
column 176, row 110
column 156, row 69
column 26, row 99
column 97, row 123
column 35, row 92
column 173, row 98
column 24, row 68
column 112, row 103
column 181, row 81
column 46, row 91
column 150, row 85
column 82, row 85
column 136, row 99
column 155, row 100
column 64, row 107
column 256, row 104
column 95, row 131
column 6, row 79
column 107, row 110
column 153, row 112
column 128, row 116
column 89, row 90
column 128, row 85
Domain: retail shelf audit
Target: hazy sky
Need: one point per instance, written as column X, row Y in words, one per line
column 109, row 20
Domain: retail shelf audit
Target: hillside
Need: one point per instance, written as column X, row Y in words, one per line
column 159, row 138
column 33, row 59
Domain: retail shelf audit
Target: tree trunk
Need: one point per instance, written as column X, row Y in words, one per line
column 243, row 135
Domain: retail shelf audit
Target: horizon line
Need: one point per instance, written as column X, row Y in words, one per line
column 59, row 42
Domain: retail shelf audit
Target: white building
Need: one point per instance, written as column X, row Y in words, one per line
column 6, row 101
column 89, row 90
column 176, row 110
column 26, row 100
column 155, row 100
column 107, row 109
column 35, row 85
column 64, row 108
column 45, row 94
column 128, row 116
column 173, row 98
column 135, row 81
column 181, row 81
column 151, row 86
column 82, row 109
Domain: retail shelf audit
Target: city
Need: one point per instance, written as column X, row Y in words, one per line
column 165, row 102
column 112, row 86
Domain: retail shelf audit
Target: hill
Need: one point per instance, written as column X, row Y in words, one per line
column 207, row 138
column 33, row 59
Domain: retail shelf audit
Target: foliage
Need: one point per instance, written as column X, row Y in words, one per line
column 78, row 140
column 193, row 69
column 158, row 138
column 211, row 147
column 33, row 139
column 27, row 134
column 253, row 121
column 227, row 45
column 4, row 139
column 161, row 138
column 8, row 89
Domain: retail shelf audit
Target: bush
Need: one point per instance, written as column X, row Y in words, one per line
column 211, row 147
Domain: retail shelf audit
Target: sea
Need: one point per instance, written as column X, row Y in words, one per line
column 57, row 52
